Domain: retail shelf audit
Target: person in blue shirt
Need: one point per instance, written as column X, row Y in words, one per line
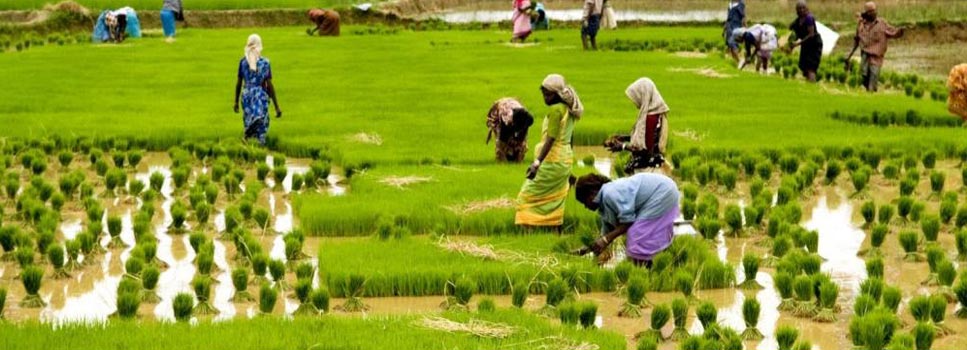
column 642, row 207
column 735, row 20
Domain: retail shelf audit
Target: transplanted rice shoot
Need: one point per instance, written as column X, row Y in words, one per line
column 31, row 276
column 707, row 314
column 519, row 294
column 937, row 179
column 803, row 286
column 182, row 305
column 910, row 241
column 569, row 313
column 750, row 314
column 960, row 291
column 149, row 281
column 635, row 293
column 924, row 333
column 960, row 242
column 877, row 236
column 55, row 254
column 134, row 266
column 462, row 290
column 874, row 267
column 920, row 308
column 680, row 314
column 267, row 298
column 485, row 305
column 784, row 286
column 277, row 271
column 733, row 218
column 202, row 285
column 647, row 343
column 240, row 282
column 320, row 299
column 828, row 292
column 750, row 265
column 303, row 288
column 260, row 264
column 935, row 255
column 786, row 336
column 892, row 296
column 873, row 286
column 946, row 274
column 938, row 312
column 930, row 225
column 353, row 288
column 659, row 318
column 885, row 214
column 261, row 217
column 587, row 313
column 868, row 210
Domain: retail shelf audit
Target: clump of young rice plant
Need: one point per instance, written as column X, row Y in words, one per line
column 960, row 292
column 149, row 281
column 179, row 213
column 938, row 312
column 946, row 273
column 304, row 270
column 877, row 236
column 937, row 179
column 134, row 266
column 519, row 294
column 635, row 292
column 811, row 263
column 55, row 254
column 202, row 285
column 277, row 271
column 659, row 318
column 202, row 212
column 903, row 207
column 874, row 267
column 874, row 330
column 293, row 246
column 555, row 293
column 873, row 287
column 128, row 304
column 786, row 336
column 924, row 334
column 680, row 314
column 707, row 315
column 647, row 343
column 750, row 314
column 134, row 158
column 261, row 217
column 278, row 174
column 267, row 298
column 805, row 307
column 460, row 293
column 780, row 246
column 31, row 276
column 685, row 283
column 568, row 313
column 910, row 242
column 863, row 305
column 240, row 282
column 353, row 287
column 892, row 296
column 920, row 308
column 486, row 305
column 935, row 255
column 750, row 265
column 320, row 299
column 885, row 214
column 733, row 218
column 135, row 188
column 784, row 286
column 868, row 210
column 860, row 179
column 833, row 169
column 587, row 313
column 3, row 301
column 708, row 227
column 948, row 209
column 960, row 242
column 260, row 264
column 303, row 288
column 828, row 292
column 930, row 225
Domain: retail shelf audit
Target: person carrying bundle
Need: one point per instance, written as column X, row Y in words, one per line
column 650, row 134
column 327, row 22
column 509, row 121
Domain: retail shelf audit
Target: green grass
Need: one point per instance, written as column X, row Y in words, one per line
column 300, row 333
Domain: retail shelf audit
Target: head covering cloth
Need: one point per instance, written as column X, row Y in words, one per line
column 644, row 94
column 557, row 84
column 253, row 51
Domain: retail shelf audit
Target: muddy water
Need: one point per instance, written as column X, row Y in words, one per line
column 839, row 242
column 576, row 15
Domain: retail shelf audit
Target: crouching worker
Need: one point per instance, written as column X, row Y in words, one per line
column 649, row 137
column 327, row 22
column 644, row 207
column 509, row 121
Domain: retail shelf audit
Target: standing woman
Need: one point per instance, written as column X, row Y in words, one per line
column 171, row 11
column 811, row 44
column 255, row 72
column 522, row 21
column 541, row 199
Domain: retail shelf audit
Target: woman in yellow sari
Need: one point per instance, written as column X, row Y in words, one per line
column 541, row 200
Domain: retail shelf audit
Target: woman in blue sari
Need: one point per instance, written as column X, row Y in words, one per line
column 256, row 74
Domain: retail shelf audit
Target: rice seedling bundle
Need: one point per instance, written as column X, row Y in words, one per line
column 960, row 242
column 240, row 282
column 938, row 313
column 353, row 287
column 685, row 283
column 892, row 296
column 588, row 312
column 805, row 307
column 149, row 281
column 320, row 299
column 134, row 266
column 260, row 263
column 909, row 240
column 877, row 236
column 277, row 271
column 750, row 265
column 134, row 158
column 647, row 343
column 707, row 314
column 874, row 330
column 811, row 263
column 156, row 181
column 679, row 309
column 304, row 270
column 946, row 274
column 903, row 207
column 179, row 176
column 32, row 276
column 733, row 218
column 267, row 298
column 786, row 336
column 660, row 315
column 753, row 216
column 937, row 179
column 917, row 212
column 924, row 334
column 784, row 286
column 960, row 292
column 833, row 169
column 555, row 292
column 463, row 290
column 930, row 225
column 750, row 314
column 874, row 267
column 873, row 287
column 569, row 313
column 278, row 174
column 828, row 292
column 709, row 227
column 3, row 301
column 885, row 214
column 56, row 256
column 303, row 289
column 202, row 285
column 715, row 274
column 128, row 304
column 868, row 210
column 920, row 308
column 635, row 292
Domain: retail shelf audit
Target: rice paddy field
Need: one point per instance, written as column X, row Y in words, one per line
column 133, row 215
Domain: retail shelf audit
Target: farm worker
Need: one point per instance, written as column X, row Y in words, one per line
column 957, row 85
column 509, row 121
column 121, row 23
column 762, row 38
column 327, row 22
column 871, row 37
column 734, row 20
column 809, row 41
column 540, row 20
column 256, row 74
column 541, row 199
column 522, row 20
column 643, row 207
column 591, row 22
column 170, row 12
column 650, row 134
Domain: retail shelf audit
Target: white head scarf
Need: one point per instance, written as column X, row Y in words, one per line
column 644, row 94
column 557, row 84
column 253, row 51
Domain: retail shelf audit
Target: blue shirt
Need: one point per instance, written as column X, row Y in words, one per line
column 640, row 197
column 736, row 15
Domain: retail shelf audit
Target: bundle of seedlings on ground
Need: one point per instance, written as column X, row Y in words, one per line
column 930, row 225
column 635, row 293
column 874, row 330
column 805, row 307
column 260, row 266
column 183, row 304
column 31, row 276
column 707, row 315
column 568, row 313
column 715, row 274
column 910, row 243
column 353, row 287
column 892, row 296
column 485, row 305
column 55, row 254
column 938, row 313
column 920, row 307
column 303, row 288
column 924, row 334
column 780, row 247
column 750, row 314
column 320, row 299
column 828, row 292
column 873, row 286
column 660, row 315
column 786, row 336
column 750, row 265
column 877, row 236
column 885, row 214
column 647, row 343
column 267, row 298
column 555, row 293
column 587, row 313
column 784, row 287
column 128, row 299
column 733, row 218
column 960, row 291
column 960, row 242
column 946, row 274
column 202, row 285
column 685, row 283
column 935, row 256
column 459, row 294
column 519, row 294
column 149, row 281
column 3, row 301
column 277, row 271
column 680, row 315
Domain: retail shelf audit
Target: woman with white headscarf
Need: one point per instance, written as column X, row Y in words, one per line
column 541, row 199
column 256, row 74
column 650, row 134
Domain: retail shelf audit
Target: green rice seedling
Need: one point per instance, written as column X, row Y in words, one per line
column 3, row 301
column 903, row 207
column 910, row 242
column 733, row 218
column 728, row 179
column 135, row 188
column 907, row 186
column 660, row 315
column 202, row 285
column 179, row 177
column 920, row 308
column 647, row 343
column 868, row 210
column 118, row 159
column 261, row 216
column 946, row 274
column 960, row 292
column 635, row 293
column 588, row 312
column 891, row 171
column 24, row 256
column 935, row 255
column 320, row 299
column 902, row 341
column 114, row 229
column 304, row 270
column 149, row 281
column 31, row 276
column 202, row 212
column 569, row 313
column 877, row 236
column 863, row 304
column 833, row 169
column 680, row 314
column 937, row 179
column 811, row 263
column 303, row 288
column 278, row 174
column 784, row 286
column 297, row 181
column 860, row 179
column 810, row 239
column 828, row 292
column 885, row 214
column 179, row 213
column 555, row 292
column 960, row 242
column 805, row 307
column 917, row 212
column 709, row 227
column 750, row 265
column 156, row 181
column 685, row 283
column 57, row 201
column 205, row 261
column 961, row 220
column 353, row 287
column 930, row 159
column 786, row 336
column 267, row 299
column 73, row 248
column 753, row 217
column 231, row 184
column 127, row 305
column 873, row 287
column 689, row 209
column 211, row 193
column 55, row 254
column 716, row 274
column 134, row 158
column 260, row 263
column 519, row 294
column 277, row 272
column 240, row 282
column 874, row 267
column 892, row 296
column 938, row 313
column 262, row 171
column 750, row 314
column 134, row 266
column 803, row 345
column 924, row 334
column 707, row 314
column 930, row 225
column 65, row 158
column 463, row 290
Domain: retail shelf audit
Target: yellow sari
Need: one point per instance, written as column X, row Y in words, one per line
column 541, row 200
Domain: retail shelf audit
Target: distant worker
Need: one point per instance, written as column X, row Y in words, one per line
column 539, row 19
column 644, row 207
column 650, row 134
column 957, row 87
column 871, row 38
column 760, row 41
column 116, row 25
column 255, row 88
column 509, row 121
column 521, row 20
column 327, row 22
column 171, row 11
column 540, row 202
column 734, row 20
column 591, row 23
column 809, row 41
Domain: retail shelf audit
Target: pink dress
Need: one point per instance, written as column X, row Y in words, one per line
column 522, row 22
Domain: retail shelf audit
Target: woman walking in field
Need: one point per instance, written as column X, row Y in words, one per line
column 170, row 12
column 522, row 21
column 256, row 74
column 811, row 44
column 541, row 200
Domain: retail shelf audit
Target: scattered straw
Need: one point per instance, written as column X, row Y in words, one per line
column 403, row 181
column 521, row 45
column 706, row 72
column 475, row 327
column 485, row 252
column 689, row 134
column 690, row 54
column 369, row 139
column 554, row 342
column 481, row 206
